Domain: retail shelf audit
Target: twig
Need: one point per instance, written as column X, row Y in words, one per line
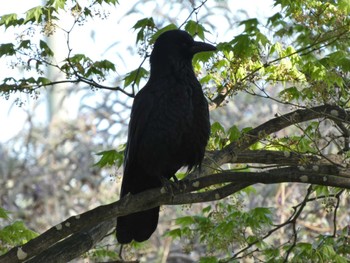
column 193, row 11
column 337, row 196
column 293, row 221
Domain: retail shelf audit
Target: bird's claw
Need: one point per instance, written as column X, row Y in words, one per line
column 168, row 186
column 172, row 186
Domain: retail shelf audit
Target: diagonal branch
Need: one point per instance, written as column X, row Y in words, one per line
column 229, row 153
column 220, row 186
column 75, row 245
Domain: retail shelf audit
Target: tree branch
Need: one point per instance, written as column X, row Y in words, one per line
column 225, row 183
column 75, row 245
column 229, row 153
column 274, row 157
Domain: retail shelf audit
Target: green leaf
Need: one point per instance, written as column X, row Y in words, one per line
column 277, row 47
column 305, row 145
column 290, row 94
column 142, row 25
column 7, row 49
column 10, row 20
column 59, row 4
column 251, row 25
column 181, row 175
column 244, row 46
column 246, row 130
column 275, row 20
column 262, row 39
column 174, row 233
column 146, row 22
column 135, row 76
column 105, row 65
column 234, row 133
column 207, row 209
column 43, row 81
column 107, row 1
column 321, row 190
column 185, row 221
column 110, row 158
column 112, row 2
column 45, row 49
column 102, row 253
column 34, row 14
column 30, row 80
column 87, row 12
column 78, row 58
column 16, row 234
column 200, row 219
column 261, row 215
column 24, row 44
column 195, row 28
column 217, row 127
column 338, row 58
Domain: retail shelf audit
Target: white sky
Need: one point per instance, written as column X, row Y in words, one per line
column 106, row 32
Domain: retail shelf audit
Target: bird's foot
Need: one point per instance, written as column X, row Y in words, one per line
column 172, row 186
column 167, row 186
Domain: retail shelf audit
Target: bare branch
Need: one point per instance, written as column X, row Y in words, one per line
column 293, row 220
column 195, row 9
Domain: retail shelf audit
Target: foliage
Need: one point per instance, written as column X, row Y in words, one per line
column 296, row 59
column 13, row 234
column 110, row 158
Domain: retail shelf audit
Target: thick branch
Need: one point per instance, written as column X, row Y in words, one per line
column 229, row 153
column 273, row 157
column 75, row 245
column 225, row 184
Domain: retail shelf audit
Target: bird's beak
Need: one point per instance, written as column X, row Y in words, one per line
column 201, row 47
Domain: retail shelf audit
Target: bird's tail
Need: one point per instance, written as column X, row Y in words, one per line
column 137, row 226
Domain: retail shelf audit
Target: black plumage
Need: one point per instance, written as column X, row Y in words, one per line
column 169, row 127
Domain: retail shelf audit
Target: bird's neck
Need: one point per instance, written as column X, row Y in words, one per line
column 172, row 68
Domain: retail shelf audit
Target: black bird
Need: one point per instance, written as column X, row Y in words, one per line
column 169, row 127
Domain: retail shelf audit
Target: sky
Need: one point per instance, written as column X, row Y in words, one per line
column 97, row 39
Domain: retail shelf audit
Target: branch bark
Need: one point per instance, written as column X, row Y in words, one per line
column 60, row 243
column 229, row 153
column 74, row 245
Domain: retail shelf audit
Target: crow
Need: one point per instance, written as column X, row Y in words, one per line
column 169, row 127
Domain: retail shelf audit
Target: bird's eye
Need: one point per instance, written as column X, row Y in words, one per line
column 185, row 44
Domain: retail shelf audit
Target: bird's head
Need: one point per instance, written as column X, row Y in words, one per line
column 177, row 45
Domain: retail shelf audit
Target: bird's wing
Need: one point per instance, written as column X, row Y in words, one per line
column 142, row 107
column 158, row 122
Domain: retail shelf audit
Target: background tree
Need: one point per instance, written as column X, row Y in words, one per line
column 278, row 92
